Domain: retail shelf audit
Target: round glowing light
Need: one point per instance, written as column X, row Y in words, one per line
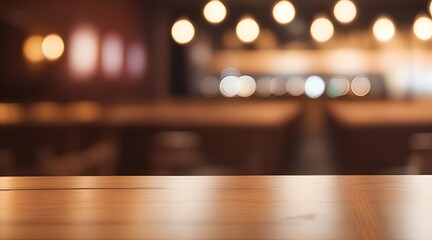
column 229, row 86
column 112, row 55
column 345, row 11
column 247, row 30
column 361, row 86
column 247, row 86
column 214, row 11
column 52, row 47
column 83, row 52
column 423, row 28
column 338, row 86
column 322, row 29
column 278, row 86
column 430, row 7
column 295, row 86
column 209, row 86
column 183, row 31
column 284, row 12
column 263, row 87
column 32, row 49
column 314, row 87
column 384, row 29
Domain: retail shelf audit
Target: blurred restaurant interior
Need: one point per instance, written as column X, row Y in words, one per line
column 230, row 87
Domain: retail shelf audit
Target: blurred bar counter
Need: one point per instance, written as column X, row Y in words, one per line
column 380, row 137
column 170, row 137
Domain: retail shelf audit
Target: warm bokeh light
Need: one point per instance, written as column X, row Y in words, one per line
column 136, row 58
column 361, row 86
column 263, row 87
column 32, row 49
column 430, row 7
column 229, row 86
column 214, row 11
column 384, row 29
column 183, row 31
column 338, row 86
column 314, row 87
column 322, row 29
column 345, row 11
column 247, row 86
column 423, row 28
column 209, row 86
column 278, row 86
column 284, row 12
column 230, row 71
column 83, row 52
column 112, row 55
column 53, row 47
column 247, row 30
column 295, row 86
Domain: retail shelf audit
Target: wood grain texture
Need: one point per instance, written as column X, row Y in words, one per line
column 253, row 207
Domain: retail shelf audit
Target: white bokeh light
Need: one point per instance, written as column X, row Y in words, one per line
column 384, row 29
column 314, row 87
column 183, row 31
column 295, row 86
column 247, row 86
column 322, row 29
column 361, row 86
column 214, row 11
column 83, row 52
column 284, row 12
column 247, row 30
column 423, row 28
column 229, row 86
column 345, row 11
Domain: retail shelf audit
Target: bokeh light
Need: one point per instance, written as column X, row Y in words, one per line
column 52, row 47
column 430, row 7
column 247, row 86
column 263, row 87
column 295, row 86
column 229, row 86
column 361, row 86
column 345, row 11
column 384, row 29
column 314, row 86
column 278, row 86
column 83, row 52
column 215, row 11
column 230, row 71
column 322, row 29
column 423, row 28
column 247, row 30
column 209, row 86
column 183, row 31
column 136, row 60
column 112, row 55
column 32, row 49
column 338, row 86
column 284, row 12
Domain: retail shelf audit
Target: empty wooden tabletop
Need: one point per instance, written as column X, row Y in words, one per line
column 253, row 207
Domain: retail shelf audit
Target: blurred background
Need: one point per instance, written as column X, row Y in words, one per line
column 167, row 87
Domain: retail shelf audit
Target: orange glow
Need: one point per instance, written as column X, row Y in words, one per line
column 32, row 49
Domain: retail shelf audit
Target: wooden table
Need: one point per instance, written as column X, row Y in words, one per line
column 272, row 207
